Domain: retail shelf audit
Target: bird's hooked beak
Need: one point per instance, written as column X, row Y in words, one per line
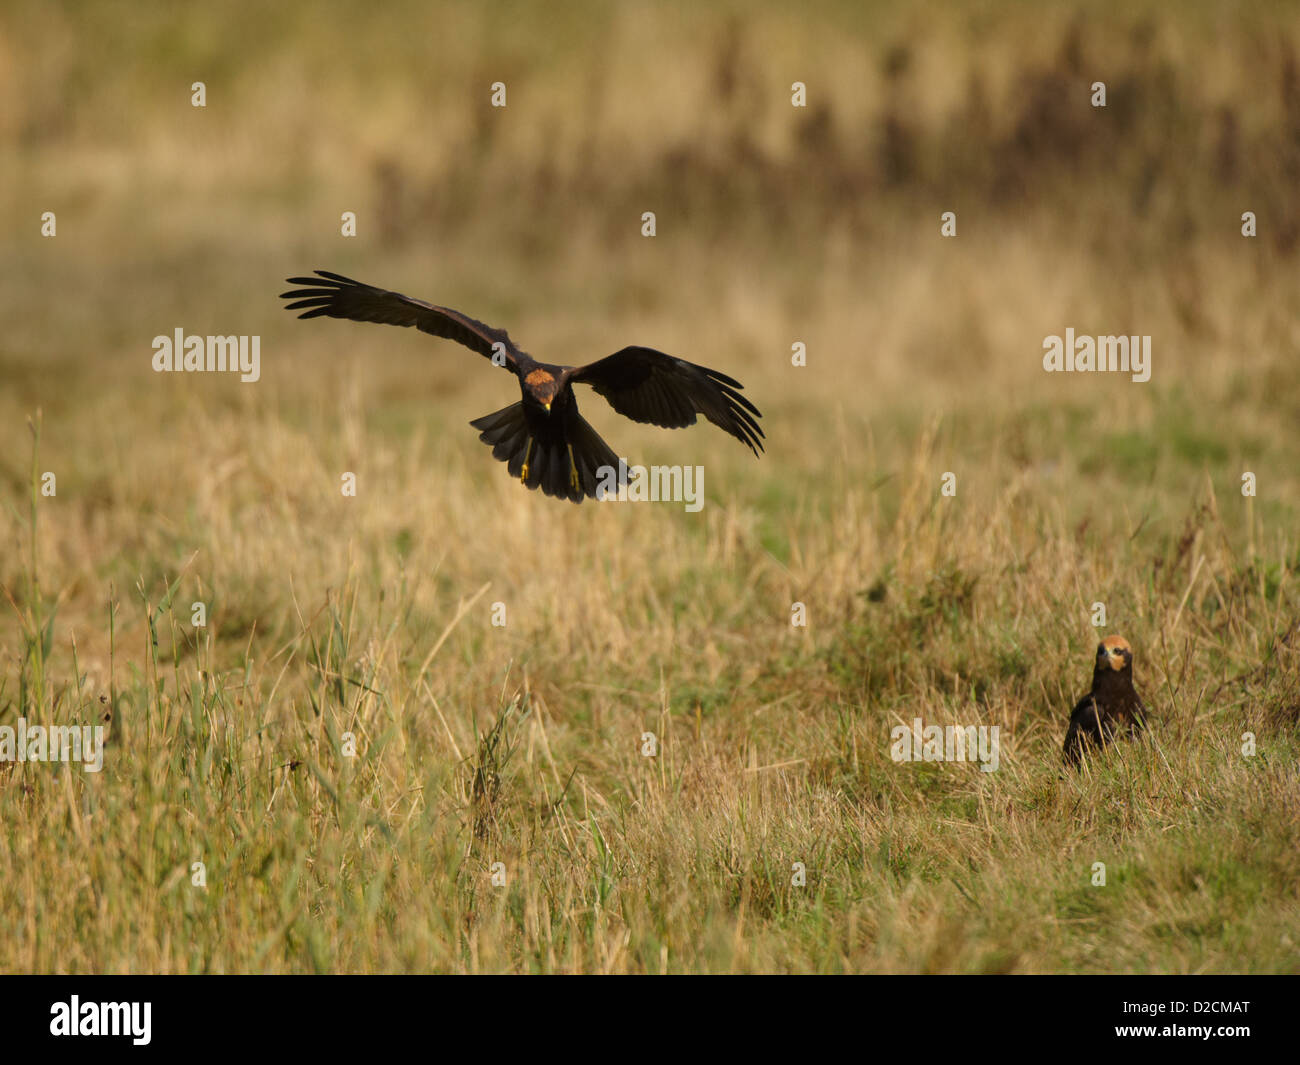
column 1115, row 658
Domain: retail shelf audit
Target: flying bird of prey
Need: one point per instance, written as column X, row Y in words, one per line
column 1111, row 708
column 543, row 439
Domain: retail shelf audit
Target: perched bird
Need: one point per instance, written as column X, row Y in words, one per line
column 1111, row 707
column 543, row 439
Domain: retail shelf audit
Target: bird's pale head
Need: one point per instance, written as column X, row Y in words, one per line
column 543, row 386
column 1114, row 653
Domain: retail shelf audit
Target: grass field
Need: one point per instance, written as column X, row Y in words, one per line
column 371, row 617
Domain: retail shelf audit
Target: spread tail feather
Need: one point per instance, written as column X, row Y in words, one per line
column 566, row 460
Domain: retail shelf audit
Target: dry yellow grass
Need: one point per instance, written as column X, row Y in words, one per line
column 522, row 745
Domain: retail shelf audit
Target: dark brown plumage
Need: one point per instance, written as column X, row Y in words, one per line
column 1111, row 708
column 543, row 439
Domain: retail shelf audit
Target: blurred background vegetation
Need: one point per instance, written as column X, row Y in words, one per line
column 775, row 223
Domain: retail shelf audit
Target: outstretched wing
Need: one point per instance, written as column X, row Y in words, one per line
column 649, row 386
column 336, row 296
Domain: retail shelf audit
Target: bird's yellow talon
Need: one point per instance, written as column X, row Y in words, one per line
column 574, row 480
column 523, row 473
